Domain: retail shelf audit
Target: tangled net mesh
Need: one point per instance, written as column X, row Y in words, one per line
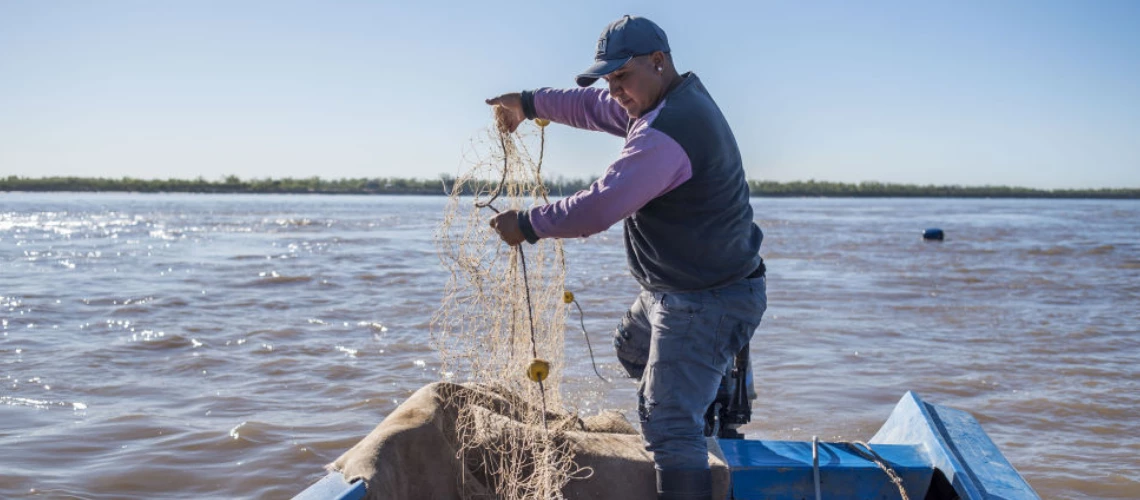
column 488, row 330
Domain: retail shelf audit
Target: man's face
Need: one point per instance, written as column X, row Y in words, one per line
column 636, row 85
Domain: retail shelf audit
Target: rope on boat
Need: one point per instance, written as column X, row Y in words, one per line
column 869, row 454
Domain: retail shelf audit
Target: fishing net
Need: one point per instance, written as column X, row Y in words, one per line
column 503, row 308
column 487, row 430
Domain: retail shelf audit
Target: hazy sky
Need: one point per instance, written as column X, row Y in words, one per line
column 1033, row 93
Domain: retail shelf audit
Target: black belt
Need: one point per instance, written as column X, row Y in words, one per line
column 759, row 272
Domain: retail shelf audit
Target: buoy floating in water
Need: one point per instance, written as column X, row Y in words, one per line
column 932, row 234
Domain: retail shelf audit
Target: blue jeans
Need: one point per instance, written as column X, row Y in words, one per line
column 680, row 344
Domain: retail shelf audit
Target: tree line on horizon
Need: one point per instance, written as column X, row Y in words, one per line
column 557, row 186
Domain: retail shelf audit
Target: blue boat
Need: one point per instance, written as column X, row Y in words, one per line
column 923, row 451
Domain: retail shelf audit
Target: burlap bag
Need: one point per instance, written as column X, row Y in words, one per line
column 412, row 454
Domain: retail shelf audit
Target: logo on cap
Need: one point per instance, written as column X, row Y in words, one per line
column 632, row 36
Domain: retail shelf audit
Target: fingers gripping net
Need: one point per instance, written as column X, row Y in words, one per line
column 488, row 332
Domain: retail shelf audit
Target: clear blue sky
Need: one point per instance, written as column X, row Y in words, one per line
column 1032, row 93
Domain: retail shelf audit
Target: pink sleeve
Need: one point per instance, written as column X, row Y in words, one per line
column 587, row 108
column 651, row 164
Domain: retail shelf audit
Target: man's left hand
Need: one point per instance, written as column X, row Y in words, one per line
column 507, row 225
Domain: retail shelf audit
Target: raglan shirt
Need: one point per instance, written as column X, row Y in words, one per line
column 678, row 184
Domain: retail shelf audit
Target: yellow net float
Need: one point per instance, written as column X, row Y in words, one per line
column 538, row 370
column 541, row 122
column 567, row 296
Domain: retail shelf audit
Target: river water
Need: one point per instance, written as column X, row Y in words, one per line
column 192, row 346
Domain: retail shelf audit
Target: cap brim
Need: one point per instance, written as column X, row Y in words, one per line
column 600, row 69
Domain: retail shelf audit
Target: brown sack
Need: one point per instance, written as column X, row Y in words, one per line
column 412, row 454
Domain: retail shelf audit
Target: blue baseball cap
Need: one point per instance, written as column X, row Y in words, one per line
column 622, row 40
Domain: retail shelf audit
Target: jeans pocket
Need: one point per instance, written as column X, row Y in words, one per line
column 683, row 302
column 631, row 342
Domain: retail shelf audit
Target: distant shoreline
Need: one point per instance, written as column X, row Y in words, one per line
column 559, row 186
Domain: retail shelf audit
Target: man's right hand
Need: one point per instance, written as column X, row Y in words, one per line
column 508, row 111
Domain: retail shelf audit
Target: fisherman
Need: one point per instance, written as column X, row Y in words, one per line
column 690, row 240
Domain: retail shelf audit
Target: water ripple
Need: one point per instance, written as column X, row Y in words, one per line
column 252, row 339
